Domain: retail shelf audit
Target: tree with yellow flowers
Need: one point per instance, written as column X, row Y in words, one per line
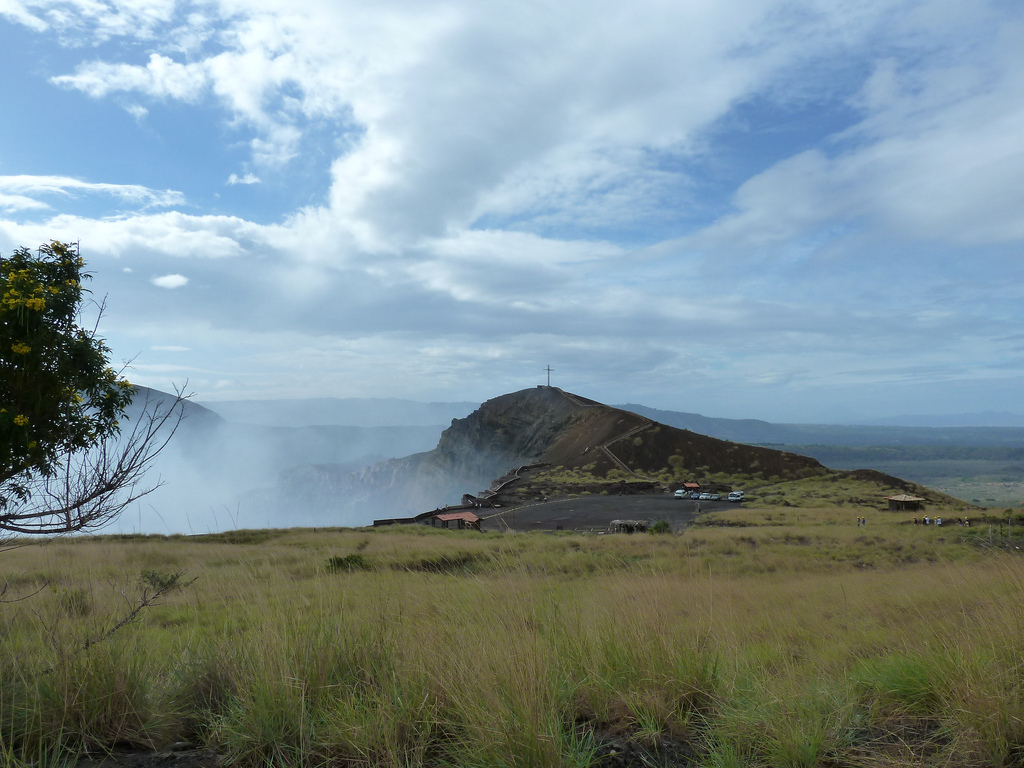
column 66, row 464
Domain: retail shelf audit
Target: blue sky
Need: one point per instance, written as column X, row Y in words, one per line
column 796, row 211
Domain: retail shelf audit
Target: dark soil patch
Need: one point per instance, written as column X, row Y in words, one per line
column 627, row 753
column 188, row 757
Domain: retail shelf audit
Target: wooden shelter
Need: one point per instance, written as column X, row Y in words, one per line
column 457, row 520
column 904, row 501
column 453, row 518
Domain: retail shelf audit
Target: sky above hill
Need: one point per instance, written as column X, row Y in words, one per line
column 794, row 211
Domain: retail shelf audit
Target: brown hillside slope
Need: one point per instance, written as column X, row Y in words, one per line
column 591, row 445
column 599, row 435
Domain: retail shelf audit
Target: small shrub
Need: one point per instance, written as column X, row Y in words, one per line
column 348, row 563
column 76, row 602
column 161, row 582
column 660, row 526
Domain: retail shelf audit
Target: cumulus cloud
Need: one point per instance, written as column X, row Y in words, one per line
column 170, row 281
column 935, row 158
column 460, row 113
column 249, row 178
column 161, row 77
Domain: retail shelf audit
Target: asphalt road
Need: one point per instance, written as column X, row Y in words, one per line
column 594, row 513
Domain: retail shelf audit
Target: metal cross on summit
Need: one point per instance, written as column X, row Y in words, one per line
column 549, row 369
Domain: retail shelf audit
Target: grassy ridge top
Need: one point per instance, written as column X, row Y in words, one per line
column 863, row 489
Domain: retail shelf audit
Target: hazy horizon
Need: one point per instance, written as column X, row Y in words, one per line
column 458, row 409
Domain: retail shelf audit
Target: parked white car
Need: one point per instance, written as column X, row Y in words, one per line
column 736, row 496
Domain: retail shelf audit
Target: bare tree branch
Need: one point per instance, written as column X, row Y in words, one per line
column 94, row 485
column 151, row 594
column 7, row 586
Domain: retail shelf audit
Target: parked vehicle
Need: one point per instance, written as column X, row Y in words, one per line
column 716, row 497
column 680, row 494
column 736, row 496
column 695, row 495
column 705, row 496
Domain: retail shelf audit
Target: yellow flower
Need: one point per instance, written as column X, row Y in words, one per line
column 20, row 348
column 33, row 444
column 21, row 420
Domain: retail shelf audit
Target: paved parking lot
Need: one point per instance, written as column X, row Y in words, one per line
column 594, row 513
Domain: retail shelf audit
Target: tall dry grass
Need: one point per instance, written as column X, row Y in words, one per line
column 792, row 642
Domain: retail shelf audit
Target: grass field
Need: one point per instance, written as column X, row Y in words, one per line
column 765, row 637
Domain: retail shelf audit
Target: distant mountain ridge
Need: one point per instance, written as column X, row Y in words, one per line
column 993, row 419
column 754, row 431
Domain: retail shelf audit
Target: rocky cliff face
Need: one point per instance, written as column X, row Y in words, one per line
column 508, row 430
column 504, row 432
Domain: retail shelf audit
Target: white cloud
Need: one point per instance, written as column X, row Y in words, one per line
column 249, row 178
column 20, row 203
column 170, row 281
column 75, row 19
column 66, row 186
column 160, row 78
column 937, row 158
column 463, row 111
column 18, row 13
column 168, row 234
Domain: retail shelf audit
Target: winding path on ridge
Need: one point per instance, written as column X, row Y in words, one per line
column 604, row 447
